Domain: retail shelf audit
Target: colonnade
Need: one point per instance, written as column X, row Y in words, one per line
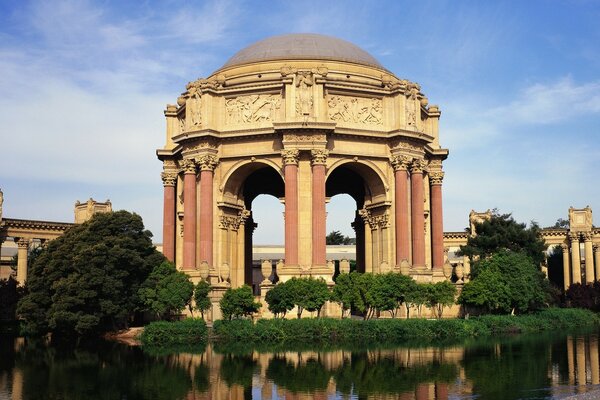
column 411, row 176
column 572, row 263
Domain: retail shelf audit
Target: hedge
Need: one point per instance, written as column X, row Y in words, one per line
column 187, row 331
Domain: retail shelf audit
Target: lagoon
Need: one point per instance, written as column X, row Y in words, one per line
column 522, row 367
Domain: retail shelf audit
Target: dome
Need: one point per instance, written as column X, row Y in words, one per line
column 302, row 46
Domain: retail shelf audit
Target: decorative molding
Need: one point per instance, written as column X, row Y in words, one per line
column 400, row 163
column 290, row 156
column 319, row 156
column 169, row 178
column 436, row 177
column 252, row 108
column 357, row 110
column 207, row 162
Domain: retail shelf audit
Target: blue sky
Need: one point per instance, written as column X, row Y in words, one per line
column 83, row 86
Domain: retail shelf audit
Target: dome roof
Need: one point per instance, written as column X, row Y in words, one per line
column 302, row 46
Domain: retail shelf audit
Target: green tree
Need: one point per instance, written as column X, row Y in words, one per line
column 488, row 292
column 402, row 286
column 280, row 299
column 500, row 232
column 167, row 291
column 523, row 287
column 86, row 282
column 440, row 295
column 381, row 295
column 201, row 292
column 308, row 294
column 344, row 292
column 10, row 294
column 336, row 237
column 237, row 303
column 364, row 302
column 416, row 298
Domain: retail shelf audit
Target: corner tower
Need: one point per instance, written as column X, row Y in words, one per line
column 302, row 117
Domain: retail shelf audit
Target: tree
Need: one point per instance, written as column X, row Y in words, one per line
column 521, row 285
column 308, row 294
column 363, row 283
column 10, row 294
column 403, row 286
column 166, row 291
column 381, row 295
column 561, row 223
column 280, row 299
column 336, row 237
column 86, row 281
column 345, row 292
column 440, row 295
column 201, row 299
column 416, row 298
column 237, row 303
column 503, row 232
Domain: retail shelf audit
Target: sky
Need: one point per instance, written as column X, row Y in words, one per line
column 83, row 86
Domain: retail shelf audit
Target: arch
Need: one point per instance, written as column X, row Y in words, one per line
column 234, row 179
column 375, row 188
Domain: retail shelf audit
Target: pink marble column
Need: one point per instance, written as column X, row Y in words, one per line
column 207, row 165
column 400, row 164
column 418, row 213
column 290, row 161
column 437, row 219
column 189, row 214
column 319, row 215
column 169, row 180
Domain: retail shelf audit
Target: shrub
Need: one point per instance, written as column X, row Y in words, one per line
column 187, row 331
column 237, row 303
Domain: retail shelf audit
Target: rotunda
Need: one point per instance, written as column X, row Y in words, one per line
column 302, row 117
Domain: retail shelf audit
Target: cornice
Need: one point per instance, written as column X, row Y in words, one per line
column 14, row 223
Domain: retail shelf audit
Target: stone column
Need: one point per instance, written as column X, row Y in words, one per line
column 597, row 260
column 169, row 179
column 566, row 267
column 576, row 263
column 290, row 162
column 437, row 219
column 400, row 164
column 189, row 214
column 207, row 164
column 417, row 213
column 589, row 258
column 23, row 246
column 319, row 214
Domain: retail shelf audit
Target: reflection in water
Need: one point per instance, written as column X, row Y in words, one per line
column 519, row 368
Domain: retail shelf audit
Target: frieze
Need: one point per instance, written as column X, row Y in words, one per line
column 291, row 137
column 252, row 108
column 357, row 110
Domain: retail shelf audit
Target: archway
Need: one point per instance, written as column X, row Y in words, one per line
column 362, row 183
column 243, row 187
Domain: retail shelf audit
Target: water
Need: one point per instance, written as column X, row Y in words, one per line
column 527, row 367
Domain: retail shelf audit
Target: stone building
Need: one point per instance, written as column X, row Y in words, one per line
column 303, row 117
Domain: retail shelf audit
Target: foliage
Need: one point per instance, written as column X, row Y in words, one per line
column 580, row 295
column 186, row 331
column 502, row 232
column 336, row 237
column 201, row 291
column 561, row 223
column 280, row 299
column 381, row 295
column 86, row 281
column 166, row 291
column 345, row 292
column 440, row 295
column 308, row 294
column 237, row 303
column 404, row 288
column 416, row 298
column 516, row 279
column 328, row 330
column 10, row 294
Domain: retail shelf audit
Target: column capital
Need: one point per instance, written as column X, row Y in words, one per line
column 574, row 236
column 188, row 166
column 564, row 247
column 22, row 242
column 207, row 162
column 596, row 248
column 290, row 156
column 400, row 162
column 436, row 177
column 319, row 156
column 417, row 166
column 587, row 236
column 169, row 178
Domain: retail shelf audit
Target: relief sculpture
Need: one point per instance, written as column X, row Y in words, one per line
column 355, row 110
column 252, row 108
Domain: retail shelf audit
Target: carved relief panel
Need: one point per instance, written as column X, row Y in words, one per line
column 254, row 108
column 355, row 110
